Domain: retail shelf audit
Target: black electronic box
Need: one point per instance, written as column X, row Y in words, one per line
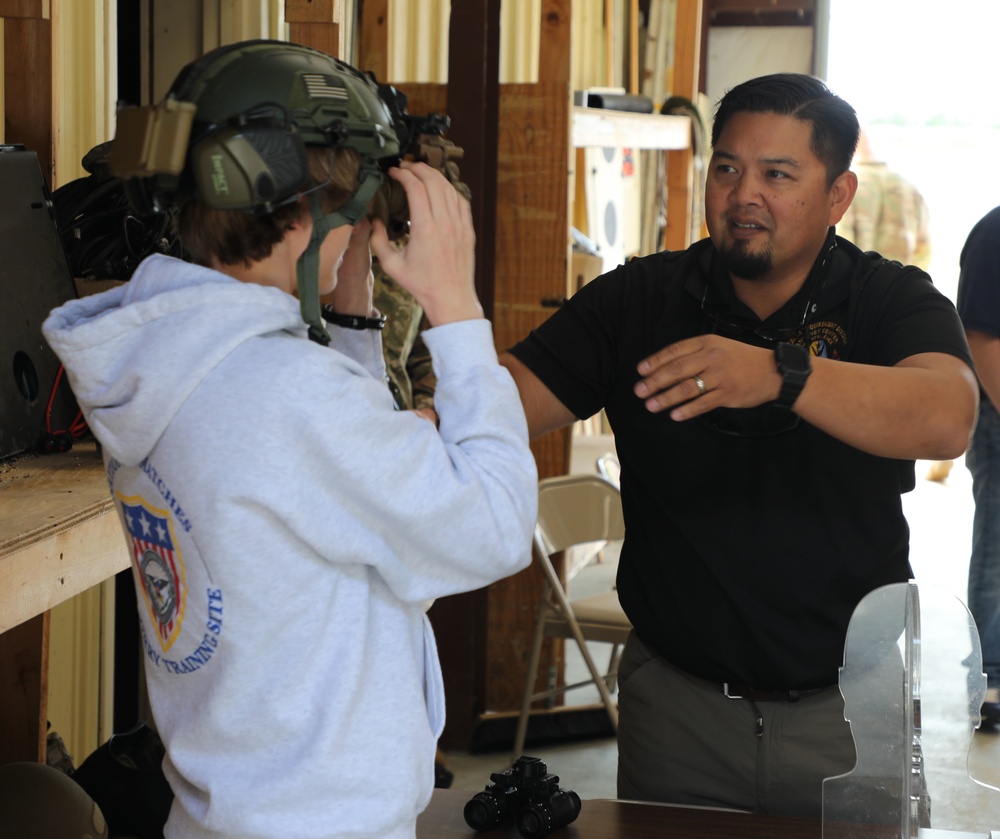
column 34, row 279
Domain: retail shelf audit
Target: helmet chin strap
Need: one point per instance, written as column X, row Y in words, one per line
column 307, row 269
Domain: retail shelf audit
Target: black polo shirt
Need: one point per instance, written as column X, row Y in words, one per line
column 745, row 553
column 978, row 289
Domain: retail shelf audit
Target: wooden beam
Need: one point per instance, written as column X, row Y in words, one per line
column 27, row 84
column 680, row 185
column 554, row 41
column 532, row 256
column 461, row 621
column 314, row 11
column 532, row 227
column 554, row 49
column 687, row 49
column 373, row 48
column 633, row 47
column 609, row 43
column 24, row 690
column 473, row 105
column 321, row 36
column 40, row 9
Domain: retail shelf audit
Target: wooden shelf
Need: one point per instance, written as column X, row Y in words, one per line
column 617, row 129
column 59, row 532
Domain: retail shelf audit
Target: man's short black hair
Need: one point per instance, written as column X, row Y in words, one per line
column 834, row 123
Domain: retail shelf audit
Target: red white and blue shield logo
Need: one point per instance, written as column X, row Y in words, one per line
column 158, row 565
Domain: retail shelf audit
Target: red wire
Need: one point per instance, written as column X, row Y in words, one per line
column 78, row 427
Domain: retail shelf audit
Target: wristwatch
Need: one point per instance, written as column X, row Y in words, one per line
column 793, row 365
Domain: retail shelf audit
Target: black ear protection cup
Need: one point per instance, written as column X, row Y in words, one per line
column 244, row 166
column 155, row 194
column 250, row 166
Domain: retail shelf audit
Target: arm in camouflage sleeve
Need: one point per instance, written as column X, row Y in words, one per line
column 400, row 334
column 421, row 371
column 922, row 250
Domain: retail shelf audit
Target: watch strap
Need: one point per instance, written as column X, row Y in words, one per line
column 794, row 366
column 353, row 321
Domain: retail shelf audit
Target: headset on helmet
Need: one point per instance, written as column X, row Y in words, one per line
column 233, row 131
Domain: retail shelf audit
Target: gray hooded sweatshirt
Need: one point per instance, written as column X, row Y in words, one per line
column 287, row 527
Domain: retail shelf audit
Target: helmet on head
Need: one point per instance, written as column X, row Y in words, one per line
column 233, row 131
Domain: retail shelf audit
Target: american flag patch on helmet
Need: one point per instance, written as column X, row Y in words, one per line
column 319, row 86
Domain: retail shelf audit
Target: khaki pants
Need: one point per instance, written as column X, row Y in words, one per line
column 680, row 740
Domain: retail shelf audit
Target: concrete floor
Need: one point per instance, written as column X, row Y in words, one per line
column 940, row 516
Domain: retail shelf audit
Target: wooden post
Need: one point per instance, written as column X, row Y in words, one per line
column 24, row 690
column 532, row 264
column 633, row 47
column 315, row 23
column 314, row 11
column 554, row 42
column 549, row 186
column 27, row 79
column 535, row 163
column 680, row 187
column 472, row 105
column 609, row 43
column 38, row 9
column 373, row 46
column 24, row 649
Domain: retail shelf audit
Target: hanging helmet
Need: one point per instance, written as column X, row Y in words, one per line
column 233, row 131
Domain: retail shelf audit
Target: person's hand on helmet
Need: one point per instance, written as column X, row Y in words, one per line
column 437, row 265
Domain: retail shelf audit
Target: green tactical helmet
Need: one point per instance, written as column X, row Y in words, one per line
column 233, row 130
column 233, row 127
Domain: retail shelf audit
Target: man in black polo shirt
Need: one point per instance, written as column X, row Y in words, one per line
column 769, row 389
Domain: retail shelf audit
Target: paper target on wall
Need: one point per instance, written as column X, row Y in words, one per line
column 612, row 187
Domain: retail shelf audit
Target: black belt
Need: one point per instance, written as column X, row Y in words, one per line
column 735, row 690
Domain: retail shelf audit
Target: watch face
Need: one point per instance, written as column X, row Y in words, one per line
column 792, row 357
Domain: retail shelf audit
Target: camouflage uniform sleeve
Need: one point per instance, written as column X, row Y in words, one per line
column 399, row 333
column 922, row 249
column 861, row 220
column 421, row 371
column 889, row 216
column 903, row 230
column 407, row 359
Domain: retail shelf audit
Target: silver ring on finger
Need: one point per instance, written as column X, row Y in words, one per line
column 700, row 382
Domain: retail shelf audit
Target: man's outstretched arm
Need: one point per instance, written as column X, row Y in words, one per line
column 544, row 411
column 922, row 408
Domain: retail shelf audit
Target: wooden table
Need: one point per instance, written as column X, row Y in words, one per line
column 609, row 819
column 59, row 535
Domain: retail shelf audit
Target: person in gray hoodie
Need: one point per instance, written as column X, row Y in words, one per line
column 287, row 524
